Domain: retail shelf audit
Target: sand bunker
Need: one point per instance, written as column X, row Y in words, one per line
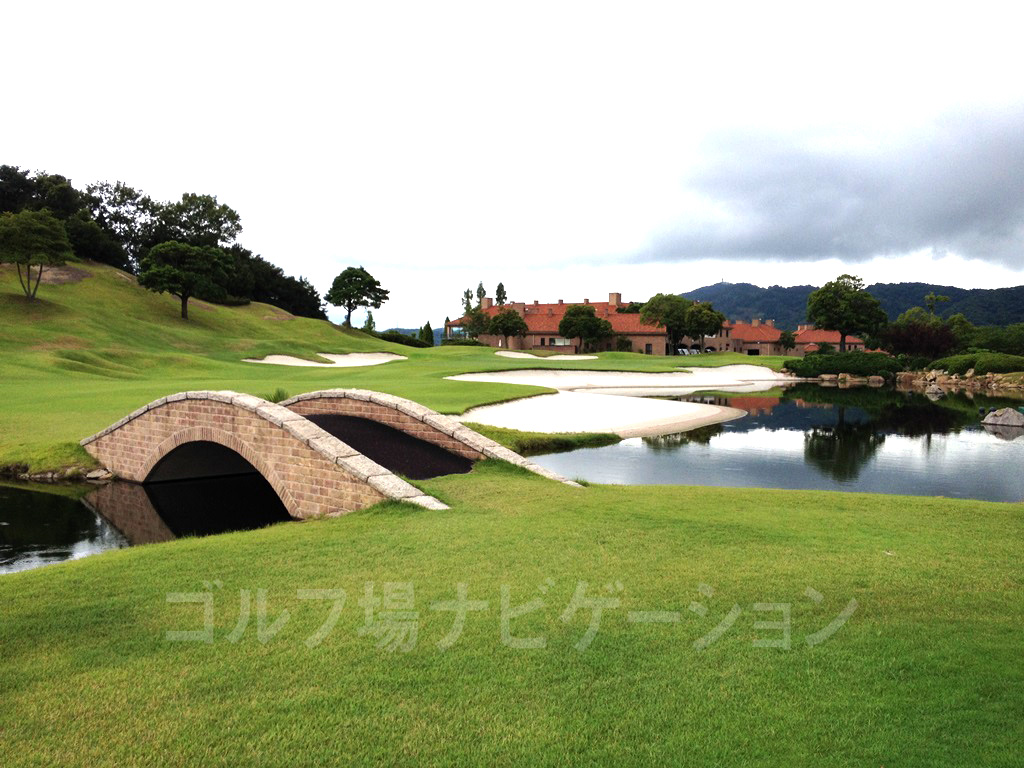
column 351, row 360
column 608, row 401
column 552, row 358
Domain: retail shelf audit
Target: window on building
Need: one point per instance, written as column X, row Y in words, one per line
column 648, row 349
column 542, row 341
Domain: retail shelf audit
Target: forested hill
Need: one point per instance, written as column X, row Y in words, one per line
column 787, row 306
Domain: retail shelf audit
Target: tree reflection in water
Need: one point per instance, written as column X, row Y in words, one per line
column 841, row 450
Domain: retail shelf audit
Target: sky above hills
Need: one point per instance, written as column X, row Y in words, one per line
column 566, row 149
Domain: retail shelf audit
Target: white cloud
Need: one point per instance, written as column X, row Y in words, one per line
column 543, row 144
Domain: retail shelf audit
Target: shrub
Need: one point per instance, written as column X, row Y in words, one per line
column 277, row 395
column 981, row 362
column 400, row 338
column 462, row 343
column 623, row 344
column 855, row 363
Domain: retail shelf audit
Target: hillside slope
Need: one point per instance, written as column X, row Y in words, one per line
column 787, row 306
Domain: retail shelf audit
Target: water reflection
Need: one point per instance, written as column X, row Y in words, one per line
column 40, row 528
column 878, row 440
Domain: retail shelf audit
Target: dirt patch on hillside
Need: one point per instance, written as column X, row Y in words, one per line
column 63, row 275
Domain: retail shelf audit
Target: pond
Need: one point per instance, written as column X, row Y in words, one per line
column 38, row 529
column 811, row 437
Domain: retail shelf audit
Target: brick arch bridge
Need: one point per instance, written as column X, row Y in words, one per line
column 314, row 473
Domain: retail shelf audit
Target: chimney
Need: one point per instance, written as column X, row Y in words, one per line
column 755, row 322
column 535, row 302
column 486, row 303
column 559, row 301
column 615, row 299
column 770, row 323
column 586, row 301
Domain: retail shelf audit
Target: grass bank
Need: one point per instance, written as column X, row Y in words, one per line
column 925, row 671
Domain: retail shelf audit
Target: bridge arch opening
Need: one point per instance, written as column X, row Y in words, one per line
column 203, row 487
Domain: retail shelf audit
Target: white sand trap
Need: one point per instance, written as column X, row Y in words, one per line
column 552, row 358
column 351, row 360
column 608, row 401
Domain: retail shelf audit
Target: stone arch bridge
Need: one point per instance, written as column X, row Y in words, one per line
column 315, row 473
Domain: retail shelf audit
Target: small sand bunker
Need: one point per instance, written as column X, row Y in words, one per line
column 352, row 360
column 552, row 358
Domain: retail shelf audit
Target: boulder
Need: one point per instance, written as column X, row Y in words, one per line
column 934, row 391
column 875, row 381
column 1004, row 417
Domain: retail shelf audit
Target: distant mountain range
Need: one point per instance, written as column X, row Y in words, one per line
column 788, row 306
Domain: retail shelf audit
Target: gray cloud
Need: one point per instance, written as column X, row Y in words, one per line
column 957, row 185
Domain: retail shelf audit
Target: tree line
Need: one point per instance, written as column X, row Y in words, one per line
column 186, row 247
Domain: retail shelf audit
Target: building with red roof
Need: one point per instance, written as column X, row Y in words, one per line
column 542, row 321
column 758, row 337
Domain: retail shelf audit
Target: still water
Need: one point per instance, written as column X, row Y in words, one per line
column 880, row 441
column 37, row 529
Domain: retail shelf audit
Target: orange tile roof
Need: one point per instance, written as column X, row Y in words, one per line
column 748, row 332
column 816, row 336
column 544, row 318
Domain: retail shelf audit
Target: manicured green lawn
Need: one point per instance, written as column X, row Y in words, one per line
column 926, row 671
column 87, row 353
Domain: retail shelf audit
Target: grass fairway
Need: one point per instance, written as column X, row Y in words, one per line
column 927, row 671
column 86, row 353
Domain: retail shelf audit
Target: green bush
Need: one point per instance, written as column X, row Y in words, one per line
column 914, row 362
column 401, row 338
column 981, row 362
column 855, row 363
column 462, row 343
column 623, row 344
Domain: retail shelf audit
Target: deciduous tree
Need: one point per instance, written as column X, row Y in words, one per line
column 580, row 321
column 703, row 320
column 671, row 311
column 843, row 305
column 787, row 340
column 32, row 238
column 183, row 270
column 353, row 288
column 507, row 323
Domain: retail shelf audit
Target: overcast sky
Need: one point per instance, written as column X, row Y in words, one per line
column 566, row 149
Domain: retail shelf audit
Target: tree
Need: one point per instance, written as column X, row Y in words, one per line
column 580, row 321
column 355, row 287
column 507, row 323
column 920, row 333
column 368, row 325
column 183, row 270
column 500, row 297
column 787, row 340
column 703, row 320
column 427, row 334
column 671, row 311
column 481, row 292
column 932, row 300
column 17, row 189
column 32, row 238
column 467, row 300
column 89, row 241
column 197, row 220
column 476, row 322
column 126, row 214
column 843, row 305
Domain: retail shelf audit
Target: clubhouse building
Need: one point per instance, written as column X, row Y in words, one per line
column 754, row 338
